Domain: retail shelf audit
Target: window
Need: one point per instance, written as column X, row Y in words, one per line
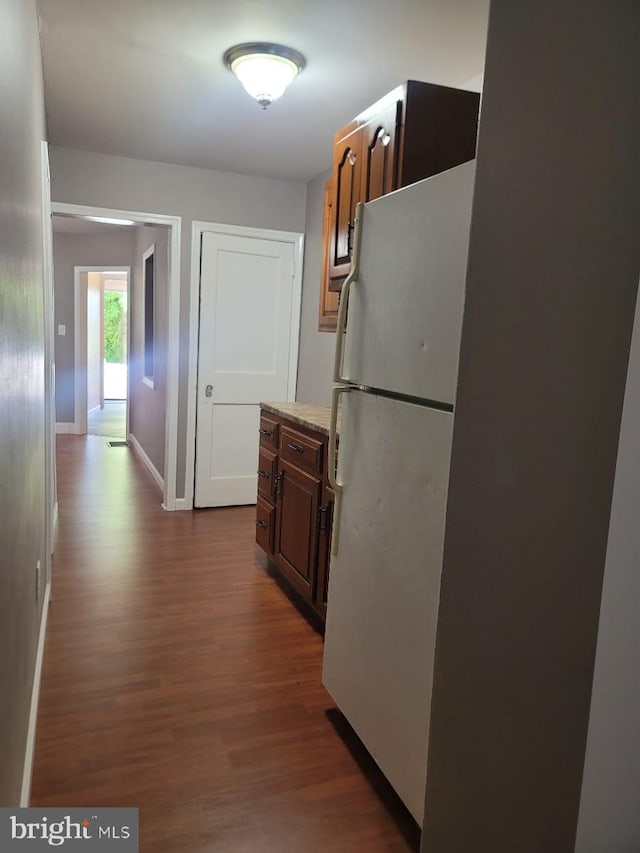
column 148, row 272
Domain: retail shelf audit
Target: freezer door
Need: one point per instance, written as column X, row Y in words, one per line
column 405, row 308
column 384, row 582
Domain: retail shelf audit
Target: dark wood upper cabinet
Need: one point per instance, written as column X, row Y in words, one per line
column 346, row 188
column 417, row 130
column 379, row 138
column 440, row 128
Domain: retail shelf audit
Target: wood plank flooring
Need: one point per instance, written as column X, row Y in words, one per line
column 180, row 678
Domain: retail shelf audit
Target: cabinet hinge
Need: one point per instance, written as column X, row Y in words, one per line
column 277, row 484
column 323, row 515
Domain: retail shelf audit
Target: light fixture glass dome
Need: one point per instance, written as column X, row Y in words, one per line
column 265, row 70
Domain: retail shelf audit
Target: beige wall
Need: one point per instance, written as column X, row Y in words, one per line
column 551, row 290
column 112, row 250
column 147, row 407
column 315, row 362
column 82, row 177
column 22, row 428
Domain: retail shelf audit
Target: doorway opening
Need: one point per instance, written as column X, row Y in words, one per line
column 101, row 350
column 166, row 451
column 107, row 332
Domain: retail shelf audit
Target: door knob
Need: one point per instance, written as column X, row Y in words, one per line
column 208, row 391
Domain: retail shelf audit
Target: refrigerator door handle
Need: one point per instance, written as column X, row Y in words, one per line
column 331, row 473
column 344, row 295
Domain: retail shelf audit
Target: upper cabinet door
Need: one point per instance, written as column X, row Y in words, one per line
column 329, row 299
column 346, row 182
column 380, row 138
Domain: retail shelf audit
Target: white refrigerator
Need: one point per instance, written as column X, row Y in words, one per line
column 396, row 370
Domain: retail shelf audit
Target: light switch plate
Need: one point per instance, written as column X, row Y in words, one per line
column 62, row 330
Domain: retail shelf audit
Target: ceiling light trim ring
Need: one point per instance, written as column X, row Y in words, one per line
column 264, row 47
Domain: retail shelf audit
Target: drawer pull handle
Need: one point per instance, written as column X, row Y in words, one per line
column 265, row 431
column 261, row 523
column 263, row 473
column 297, row 448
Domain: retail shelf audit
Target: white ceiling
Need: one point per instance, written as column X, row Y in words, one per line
column 145, row 78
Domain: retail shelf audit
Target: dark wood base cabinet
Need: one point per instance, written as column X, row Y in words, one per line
column 295, row 506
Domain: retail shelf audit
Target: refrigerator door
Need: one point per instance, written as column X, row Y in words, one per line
column 384, row 582
column 405, row 307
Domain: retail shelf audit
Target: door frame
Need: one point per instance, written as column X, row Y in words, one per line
column 174, row 223
column 51, row 506
column 198, row 228
column 80, row 331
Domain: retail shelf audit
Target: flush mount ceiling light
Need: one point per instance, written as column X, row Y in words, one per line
column 265, row 70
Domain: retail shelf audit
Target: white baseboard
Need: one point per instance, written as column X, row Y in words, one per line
column 179, row 505
column 147, row 462
column 94, row 409
column 25, row 794
column 64, row 428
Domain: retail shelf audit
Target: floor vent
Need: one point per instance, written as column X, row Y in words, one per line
column 118, row 443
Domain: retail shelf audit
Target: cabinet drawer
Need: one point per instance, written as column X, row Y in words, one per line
column 265, row 525
column 301, row 450
column 267, row 470
column 269, row 429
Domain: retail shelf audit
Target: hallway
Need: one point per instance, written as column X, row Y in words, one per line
column 111, row 421
column 179, row 678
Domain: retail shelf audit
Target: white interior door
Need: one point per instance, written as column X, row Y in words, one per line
column 248, row 334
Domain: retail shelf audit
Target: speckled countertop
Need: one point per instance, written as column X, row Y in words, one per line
column 311, row 415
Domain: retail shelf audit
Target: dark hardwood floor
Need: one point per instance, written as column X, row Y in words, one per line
column 180, row 678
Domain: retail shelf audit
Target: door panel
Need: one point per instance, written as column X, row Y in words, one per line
column 379, row 161
column 245, row 317
column 384, row 582
column 346, row 181
column 296, row 542
column 405, row 309
column 329, row 299
column 245, row 340
column 227, row 475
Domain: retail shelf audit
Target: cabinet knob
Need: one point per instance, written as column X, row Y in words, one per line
column 265, row 431
column 261, row 523
column 297, row 448
column 263, row 473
